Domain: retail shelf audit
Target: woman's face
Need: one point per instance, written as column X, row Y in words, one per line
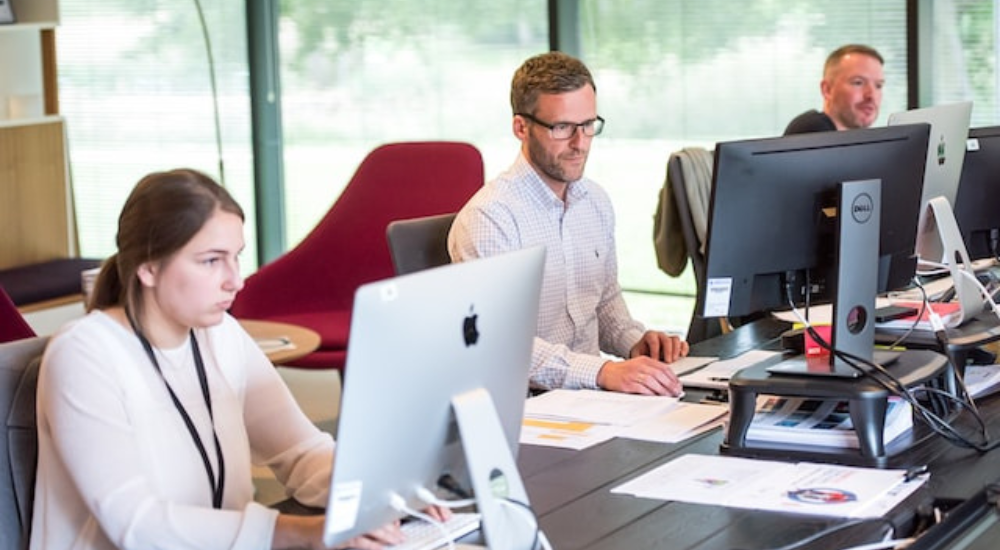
column 197, row 285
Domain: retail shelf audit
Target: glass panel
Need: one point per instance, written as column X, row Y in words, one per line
column 963, row 54
column 678, row 74
column 135, row 88
column 356, row 75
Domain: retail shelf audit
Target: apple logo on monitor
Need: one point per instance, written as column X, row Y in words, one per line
column 469, row 330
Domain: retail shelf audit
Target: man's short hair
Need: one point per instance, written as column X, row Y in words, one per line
column 547, row 73
column 835, row 56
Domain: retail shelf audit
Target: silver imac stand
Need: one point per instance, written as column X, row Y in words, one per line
column 493, row 473
column 939, row 240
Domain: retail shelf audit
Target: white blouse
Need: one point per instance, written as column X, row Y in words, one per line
column 117, row 467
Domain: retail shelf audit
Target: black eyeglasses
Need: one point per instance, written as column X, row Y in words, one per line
column 566, row 130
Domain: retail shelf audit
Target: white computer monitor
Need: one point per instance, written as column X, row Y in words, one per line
column 943, row 168
column 435, row 383
column 939, row 244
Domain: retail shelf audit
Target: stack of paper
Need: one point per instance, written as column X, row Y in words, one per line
column 716, row 375
column 577, row 419
column 802, row 488
column 820, row 422
column 982, row 380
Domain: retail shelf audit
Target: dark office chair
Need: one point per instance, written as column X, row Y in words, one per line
column 681, row 226
column 419, row 243
column 19, row 456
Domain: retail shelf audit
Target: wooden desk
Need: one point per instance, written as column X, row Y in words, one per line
column 571, row 490
column 282, row 342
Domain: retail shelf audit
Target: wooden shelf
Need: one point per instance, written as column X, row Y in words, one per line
column 36, row 211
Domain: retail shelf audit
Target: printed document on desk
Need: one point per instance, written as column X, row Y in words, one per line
column 823, row 315
column 577, row 419
column 982, row 380
column 597, row 406
column 716, row 375
column 799, row 488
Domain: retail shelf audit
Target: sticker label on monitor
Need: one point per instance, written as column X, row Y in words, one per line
column 346, row 502
column 717, row 293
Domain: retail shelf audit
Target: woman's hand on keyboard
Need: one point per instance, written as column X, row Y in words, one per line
column 439, row 513
column 384, row 536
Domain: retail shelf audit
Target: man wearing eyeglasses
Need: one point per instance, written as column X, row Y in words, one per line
column 544, row 199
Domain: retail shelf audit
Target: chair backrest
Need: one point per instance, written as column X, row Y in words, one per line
column 348, row 247
column 683, row 193
column 19, row 361
column 12, row 324
column 419, row 243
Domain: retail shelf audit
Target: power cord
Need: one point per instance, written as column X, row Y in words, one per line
column 426, row 495
column 522, row 509
column 916, row 321
column 526, row 512
column 983, row 291
column 891, row 383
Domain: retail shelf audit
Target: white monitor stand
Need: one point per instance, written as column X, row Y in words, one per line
column 940, row 241
column 500, row 495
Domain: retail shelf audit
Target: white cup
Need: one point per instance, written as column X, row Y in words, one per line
column 25, row 106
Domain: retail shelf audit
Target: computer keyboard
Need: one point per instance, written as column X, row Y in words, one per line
column 423, row 535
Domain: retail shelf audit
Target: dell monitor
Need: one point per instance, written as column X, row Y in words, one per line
column 434, row 386
column 977, row 206
column 775, row 226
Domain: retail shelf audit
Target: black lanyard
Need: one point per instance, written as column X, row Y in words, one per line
column 216, row 486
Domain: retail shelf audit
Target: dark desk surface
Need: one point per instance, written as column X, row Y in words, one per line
column 571, row 490
column 982, row 329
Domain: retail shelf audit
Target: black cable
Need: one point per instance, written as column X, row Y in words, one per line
column 916, row 320
column 534, row 516
column 449, row 483
column 895, row 386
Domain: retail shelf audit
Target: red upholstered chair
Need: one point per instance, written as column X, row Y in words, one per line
column 313, row 284
column 12, row 324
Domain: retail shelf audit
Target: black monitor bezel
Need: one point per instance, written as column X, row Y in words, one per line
column 754, row 240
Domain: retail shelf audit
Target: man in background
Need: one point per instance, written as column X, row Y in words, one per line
column 852, row 92
column 544, row 199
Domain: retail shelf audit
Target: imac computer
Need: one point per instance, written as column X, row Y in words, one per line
column 939, row 245
column 977, row 206
column 777, row 234
column 434, row 387
column 945, row 156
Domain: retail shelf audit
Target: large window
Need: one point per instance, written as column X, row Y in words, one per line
column 135, row 88
column 958, row 48
column 359, row 74
column 678, row 74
